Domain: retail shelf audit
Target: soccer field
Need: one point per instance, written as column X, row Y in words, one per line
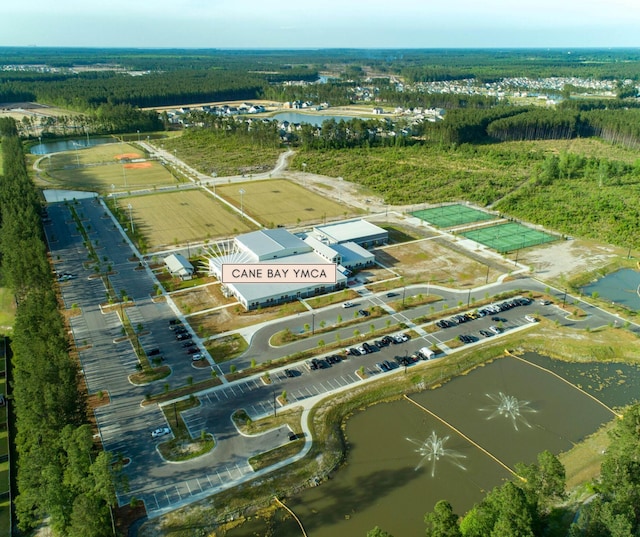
column 178, row 217
column 280, row 202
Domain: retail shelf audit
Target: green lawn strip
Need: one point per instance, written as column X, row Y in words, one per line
column 226, row 348
column 286, row 336
column 7, row 309
column 183, row 447
column 168, row 394
column 332, row 298
column 5, row 511
column 274, row 456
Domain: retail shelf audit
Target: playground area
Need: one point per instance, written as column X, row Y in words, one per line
column 447, row 216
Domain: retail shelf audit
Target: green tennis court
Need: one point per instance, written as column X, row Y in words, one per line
column 451, row 215
column 509, row 237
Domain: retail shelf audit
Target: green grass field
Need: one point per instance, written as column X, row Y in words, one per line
column 281, row 202
column 7, row 310
column 509, row 237
column 452, row 215
column 177, row 217
column 99, row 168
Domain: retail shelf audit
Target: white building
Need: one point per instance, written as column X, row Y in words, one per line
column 279, row 246
column 179, row 266
column 361, row 232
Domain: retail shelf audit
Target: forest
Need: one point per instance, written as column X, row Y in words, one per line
column 61, row 474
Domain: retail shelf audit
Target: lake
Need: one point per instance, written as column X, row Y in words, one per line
column 621, row 287
column 403, row 459
column 312, row 119
column 47, row 148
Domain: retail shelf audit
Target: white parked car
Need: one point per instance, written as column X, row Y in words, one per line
column 531, row 318
column 495, row 329
column 160, row 431
column 348, row 305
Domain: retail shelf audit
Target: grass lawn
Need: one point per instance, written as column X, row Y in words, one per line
column 100, row 167
column 7, row 310
column 281, row 202
column 177, row 217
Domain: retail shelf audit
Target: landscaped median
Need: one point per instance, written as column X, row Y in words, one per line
column 183, row 447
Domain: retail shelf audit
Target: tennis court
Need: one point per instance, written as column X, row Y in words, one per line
column 509, row 237
column 451, row 215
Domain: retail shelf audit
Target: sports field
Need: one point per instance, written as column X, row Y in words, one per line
column 452, row 215
column 106, row 168
column 280, row 202
column 509, row 237
column 178, row 217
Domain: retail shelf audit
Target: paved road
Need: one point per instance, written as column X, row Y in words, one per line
column 107, row 360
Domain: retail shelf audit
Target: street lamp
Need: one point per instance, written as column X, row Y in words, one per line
column 241, row 203
column 138, row 135
column 564, row 298
column 313, row 323
column 130, row 218
column 124, row 175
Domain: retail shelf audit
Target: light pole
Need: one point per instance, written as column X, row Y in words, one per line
column 313, row 323
column 138, row 135
column 404, row 291
column 487, row 279
column 124, row 175
column 77, row 157
column 241, row 203
column 564, row 298
column 131, row 218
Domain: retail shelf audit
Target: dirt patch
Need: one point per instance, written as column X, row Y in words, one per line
column 430, row 261
column 135, row 165
column 124, row 156
column 201, row 298
column 565, row 258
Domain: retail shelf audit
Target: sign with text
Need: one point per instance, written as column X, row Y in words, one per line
column 278, row 273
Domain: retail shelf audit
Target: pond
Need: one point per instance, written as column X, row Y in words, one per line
column 313, row 119
column 47, row 148
column 621, row 287
column 456, row 443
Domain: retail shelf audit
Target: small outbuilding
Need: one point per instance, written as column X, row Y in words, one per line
column 179, row 266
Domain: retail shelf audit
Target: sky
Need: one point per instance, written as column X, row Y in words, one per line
column 321, row 24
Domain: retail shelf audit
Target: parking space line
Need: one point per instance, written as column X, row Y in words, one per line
column 178, row 491
column 189, row 488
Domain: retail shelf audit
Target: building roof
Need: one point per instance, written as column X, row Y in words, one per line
column 269, row 242
column 350, row 231
column 178, row 264
column 255, row 292
column 323, row 249
column 353, row 253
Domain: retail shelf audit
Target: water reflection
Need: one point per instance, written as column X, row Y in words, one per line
column 508, row 406
column 432, row 450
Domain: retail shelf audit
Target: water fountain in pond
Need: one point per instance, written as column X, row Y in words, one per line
column 507, row 406
column 432, row 450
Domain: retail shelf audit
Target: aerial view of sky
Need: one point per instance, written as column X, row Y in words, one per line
column 321, row 24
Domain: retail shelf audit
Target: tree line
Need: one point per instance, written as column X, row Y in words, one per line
column 60, row 473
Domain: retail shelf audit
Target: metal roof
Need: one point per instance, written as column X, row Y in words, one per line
column 266, row 243
column 350, row 231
